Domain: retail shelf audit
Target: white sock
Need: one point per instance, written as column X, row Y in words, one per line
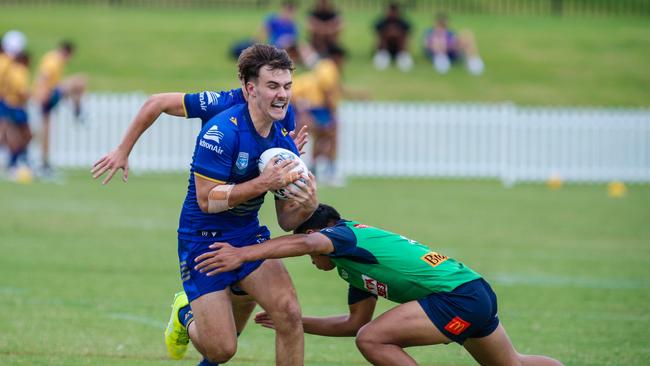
column 381, row 60
column 404, row 61
column 441, row 63
column 475, row 65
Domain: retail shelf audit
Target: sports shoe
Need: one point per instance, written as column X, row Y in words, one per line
column 176, row 336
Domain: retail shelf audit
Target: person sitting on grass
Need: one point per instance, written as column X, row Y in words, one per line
column 441, row 300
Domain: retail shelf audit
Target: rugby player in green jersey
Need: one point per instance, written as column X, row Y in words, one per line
column 441, row 300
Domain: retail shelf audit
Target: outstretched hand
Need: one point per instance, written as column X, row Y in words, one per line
column 224, row 258
column 111, row 162
column 264, row 319
column 300, row 139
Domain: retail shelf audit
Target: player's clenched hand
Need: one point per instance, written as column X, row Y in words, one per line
column 224, row 258
column 116, row 159
column 278, row 174
column 303, row 191
column 264, row 319
column 300, row 139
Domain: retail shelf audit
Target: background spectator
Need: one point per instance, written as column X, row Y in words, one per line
column 324, row 24
column 444, row 48
column 281, row 29
column 392, row 40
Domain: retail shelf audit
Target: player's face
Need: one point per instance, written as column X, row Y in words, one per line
column 322, row 262
column 272, row 92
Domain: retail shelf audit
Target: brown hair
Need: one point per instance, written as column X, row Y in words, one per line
column 256, row 56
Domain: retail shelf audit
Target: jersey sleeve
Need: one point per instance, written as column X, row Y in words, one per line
column 355, row 295
column 213, row 154
column 343, row 239
column 207, row 104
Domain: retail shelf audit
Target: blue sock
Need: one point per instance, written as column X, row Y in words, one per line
column 13, row 159
column 205, row 362
column 185, row 315
column 22, row 155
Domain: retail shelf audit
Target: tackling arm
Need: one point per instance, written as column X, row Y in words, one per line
column 226, row 257
column 342, row 325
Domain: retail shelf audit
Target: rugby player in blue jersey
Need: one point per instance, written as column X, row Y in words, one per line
column 224, row 195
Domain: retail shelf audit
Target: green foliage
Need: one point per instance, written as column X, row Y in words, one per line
column 87, row 272
column 530, row 60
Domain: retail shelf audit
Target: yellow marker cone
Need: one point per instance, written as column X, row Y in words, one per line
column 24, row 175
column 554, row 182
column 616, row 189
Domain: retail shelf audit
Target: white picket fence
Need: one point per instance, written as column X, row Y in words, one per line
column 382, row 139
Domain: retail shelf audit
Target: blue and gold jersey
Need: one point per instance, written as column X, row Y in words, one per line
column 227, row 151
column 207, row 104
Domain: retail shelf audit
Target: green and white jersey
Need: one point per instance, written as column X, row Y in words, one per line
column 390, row 265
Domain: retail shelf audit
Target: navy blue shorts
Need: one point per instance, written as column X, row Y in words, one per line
column 3, row 109
column 322, row 117
column 53, row 100
column 197, row 284
column 17, row 116
column 469, row 311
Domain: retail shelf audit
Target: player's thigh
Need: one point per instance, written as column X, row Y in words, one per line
column 405, row 325
column 270, row 286
column 213, row 319
column 494, row 349
column 242, row 308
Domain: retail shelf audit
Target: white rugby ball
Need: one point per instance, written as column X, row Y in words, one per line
column 282, row 154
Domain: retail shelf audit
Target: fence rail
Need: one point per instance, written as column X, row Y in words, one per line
column 502, row 7
column 378, row 139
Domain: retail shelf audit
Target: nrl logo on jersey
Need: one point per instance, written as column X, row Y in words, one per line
column 242, row 161
column 213, row 134
column 374, row 286
column 208, row 98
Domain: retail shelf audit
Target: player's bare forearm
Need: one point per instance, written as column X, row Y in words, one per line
column 225, row 257
column 331, row 326
column 342, row 325
column 169, row 103
column 288, row 246
column 291, row 214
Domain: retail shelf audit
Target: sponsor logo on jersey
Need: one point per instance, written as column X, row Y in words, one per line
column 433, row 259
column 208, row 98
column 284, row 131
column 213, row 134
column 362, row 226
column 233, row 120
column 242, row 160
column 344, row 274
column 457, row 325
column 217, row 149
column 374, row 286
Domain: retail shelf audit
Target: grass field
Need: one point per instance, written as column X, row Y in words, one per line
column 87, row 272
column 530, row 60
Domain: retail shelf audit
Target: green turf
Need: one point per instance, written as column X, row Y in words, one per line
column 87, row 272
column 594, row 61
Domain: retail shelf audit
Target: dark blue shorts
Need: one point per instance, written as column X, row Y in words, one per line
column 197, row 284
column 17, row 116
column 469, row 311
column 322, row 117
column 3, row 109
column 53, row 100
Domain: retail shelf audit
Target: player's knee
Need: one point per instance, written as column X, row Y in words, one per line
column 288, row 315
column 221, row 353
column 366, row 339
